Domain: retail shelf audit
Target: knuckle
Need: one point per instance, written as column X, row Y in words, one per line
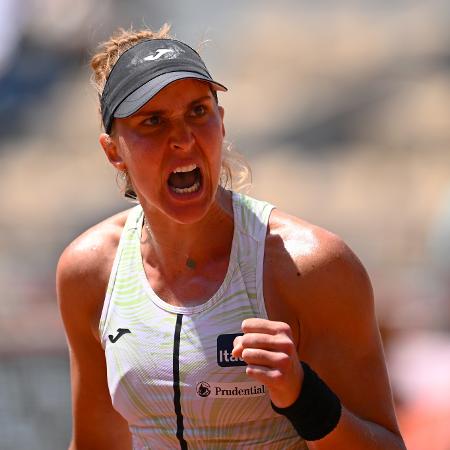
column 271, row 341
column 249, row 340
column 242, row 340
column 285, row 342
column 247, row 324
column 276, row 376
column 284, row 328
column 284, row 361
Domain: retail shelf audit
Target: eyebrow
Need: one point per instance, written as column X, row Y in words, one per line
column 148, row 112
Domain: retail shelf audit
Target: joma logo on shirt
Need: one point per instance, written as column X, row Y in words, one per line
column 224, row 349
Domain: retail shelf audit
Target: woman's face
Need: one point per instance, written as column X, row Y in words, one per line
column 172, row 150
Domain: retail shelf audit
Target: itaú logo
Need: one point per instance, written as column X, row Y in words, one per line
column 230, row 390
column 225, row 358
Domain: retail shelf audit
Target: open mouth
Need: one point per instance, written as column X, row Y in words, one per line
column 185, row 179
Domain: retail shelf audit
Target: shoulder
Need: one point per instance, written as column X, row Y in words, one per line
column 305, row 249
column 82, row 277
column 328, row 302
column 86, row 255
column 84, row 268
column 314, row 270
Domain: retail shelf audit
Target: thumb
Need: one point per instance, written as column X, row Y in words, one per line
column 237, row 347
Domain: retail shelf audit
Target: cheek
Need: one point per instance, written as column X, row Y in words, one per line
column 215, row 151
column 138, row 151
column 215, row 137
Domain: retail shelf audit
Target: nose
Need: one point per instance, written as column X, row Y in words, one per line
column 181, row 136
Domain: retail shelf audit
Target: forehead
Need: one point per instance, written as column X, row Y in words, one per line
column 179, row 93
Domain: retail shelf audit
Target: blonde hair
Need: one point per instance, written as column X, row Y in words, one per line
column 109, row 51
column 236, row 172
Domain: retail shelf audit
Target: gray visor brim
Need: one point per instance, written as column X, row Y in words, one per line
column 137, row 99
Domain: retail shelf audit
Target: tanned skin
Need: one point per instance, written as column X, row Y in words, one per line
column 317, row 293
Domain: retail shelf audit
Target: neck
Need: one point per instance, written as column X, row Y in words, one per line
column 175, row 248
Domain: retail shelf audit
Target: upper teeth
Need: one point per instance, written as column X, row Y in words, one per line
column 185, row 168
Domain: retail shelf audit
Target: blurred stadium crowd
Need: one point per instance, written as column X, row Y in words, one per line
column 341, row 108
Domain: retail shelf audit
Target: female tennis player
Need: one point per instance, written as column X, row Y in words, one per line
column 202, row 318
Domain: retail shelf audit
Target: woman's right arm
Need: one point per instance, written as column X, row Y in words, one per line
column 82, row 276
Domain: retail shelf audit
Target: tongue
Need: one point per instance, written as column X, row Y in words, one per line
column 182, row 180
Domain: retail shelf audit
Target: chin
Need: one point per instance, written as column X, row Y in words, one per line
column 188, row 215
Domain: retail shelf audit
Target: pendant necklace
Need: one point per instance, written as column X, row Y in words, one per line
column 190, row 263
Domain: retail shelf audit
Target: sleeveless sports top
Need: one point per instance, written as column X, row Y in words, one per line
column 170, row 371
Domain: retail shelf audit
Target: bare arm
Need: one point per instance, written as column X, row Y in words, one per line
column 349, row 356
column 322, row 291
column 82, row 276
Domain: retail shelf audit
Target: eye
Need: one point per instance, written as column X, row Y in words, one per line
column 153, row 120
column 199, row 110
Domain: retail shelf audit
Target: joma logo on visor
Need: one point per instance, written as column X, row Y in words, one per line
column 224, row 349
column 160, row 52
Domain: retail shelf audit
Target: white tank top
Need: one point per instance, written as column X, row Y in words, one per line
column 170, row 370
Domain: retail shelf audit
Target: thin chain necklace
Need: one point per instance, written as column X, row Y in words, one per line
column 190, row 263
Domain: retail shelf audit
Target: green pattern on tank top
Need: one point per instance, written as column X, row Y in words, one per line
column 236, row 414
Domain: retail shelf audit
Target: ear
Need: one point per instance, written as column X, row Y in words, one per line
column 222, row 114
column 112, row 152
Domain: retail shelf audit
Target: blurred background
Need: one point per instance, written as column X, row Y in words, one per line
column 342, row 110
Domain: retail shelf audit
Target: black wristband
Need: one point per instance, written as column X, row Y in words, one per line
column 317, row 410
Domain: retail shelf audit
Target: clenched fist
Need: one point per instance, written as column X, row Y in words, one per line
column 269, row 350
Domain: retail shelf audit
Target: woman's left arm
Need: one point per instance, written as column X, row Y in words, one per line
column 326, row 295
